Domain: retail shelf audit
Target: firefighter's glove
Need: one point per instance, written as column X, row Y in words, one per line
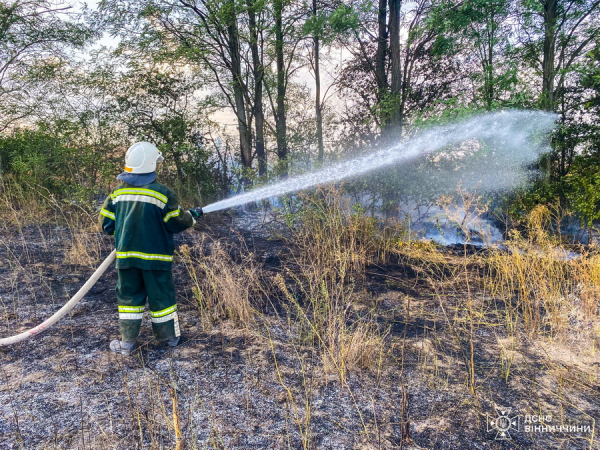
column 196, row 212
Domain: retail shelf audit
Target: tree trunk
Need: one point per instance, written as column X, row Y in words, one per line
column 258, row 73
column 382, row 37
column 240, row 105
column 318, row 114
column 489, row 74
column 488, row 61
column 395, row 60
column 548, row 72
column 280, row 114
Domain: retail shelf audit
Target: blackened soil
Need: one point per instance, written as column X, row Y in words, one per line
column 260, row 387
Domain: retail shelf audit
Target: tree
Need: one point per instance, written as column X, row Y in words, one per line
column 370, row 55
column 396, row 116
column 326, row 23
column 317, row 26
column 204, row 34
column 569, row 29
column 33, row 33
column 427, row 74
column 256, row 46
column 488, row 30
column 280, row 113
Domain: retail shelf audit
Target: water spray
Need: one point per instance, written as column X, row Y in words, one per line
column 512, row 131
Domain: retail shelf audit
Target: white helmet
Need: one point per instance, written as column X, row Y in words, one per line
column 142, row 157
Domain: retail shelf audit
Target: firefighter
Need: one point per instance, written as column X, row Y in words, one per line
column 143, row 215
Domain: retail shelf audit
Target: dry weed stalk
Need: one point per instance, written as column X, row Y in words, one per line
column 469, row 208
column 178, row 438
column 334, row 245
column 223, row 287
column 302, row 424
column 541, row 284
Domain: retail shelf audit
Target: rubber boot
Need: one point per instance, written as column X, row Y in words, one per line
column 173, row 341
column 122, row 347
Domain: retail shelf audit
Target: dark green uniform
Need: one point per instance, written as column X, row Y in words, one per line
column 143, row 220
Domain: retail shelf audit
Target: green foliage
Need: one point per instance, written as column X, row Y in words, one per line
column 582, row 188
column 590, row 77
column 34, row 156
column 578, row 192
column 343, row 19
column 34, row 35
column 39, row 158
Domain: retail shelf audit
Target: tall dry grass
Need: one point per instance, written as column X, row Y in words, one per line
column 546, row 289
column 24, row 205
column 333, row 244
column 224, row 288
column 340, row 237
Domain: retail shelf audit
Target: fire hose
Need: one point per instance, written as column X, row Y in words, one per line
column 74, row 300
column 66, row 308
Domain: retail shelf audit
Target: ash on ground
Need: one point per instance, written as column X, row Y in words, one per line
column 233, row 387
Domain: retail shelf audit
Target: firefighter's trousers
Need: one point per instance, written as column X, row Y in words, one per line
column 133, row 287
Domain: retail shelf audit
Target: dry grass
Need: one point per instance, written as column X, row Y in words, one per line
column 334, row 244
column 545, row 289
column 28, row 205
column 224, row 288
column 324, row 323
column 359, row 346
column 20, row 206
column 346, row 342
column 84, row 249
column 340, row 238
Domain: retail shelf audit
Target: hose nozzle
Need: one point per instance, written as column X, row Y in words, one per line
column 196, row 212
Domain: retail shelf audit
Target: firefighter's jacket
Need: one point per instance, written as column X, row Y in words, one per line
column 143, row 220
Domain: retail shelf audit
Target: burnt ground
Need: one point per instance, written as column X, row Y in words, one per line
column 259, row 387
